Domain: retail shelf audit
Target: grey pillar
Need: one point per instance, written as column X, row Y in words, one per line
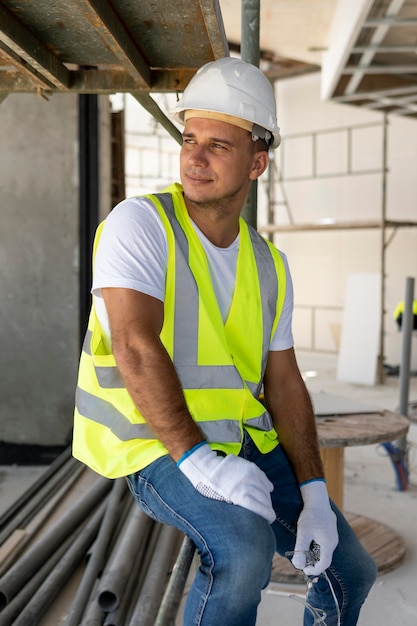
column 407, row 330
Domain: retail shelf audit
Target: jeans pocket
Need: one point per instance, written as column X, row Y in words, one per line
column 137, row 486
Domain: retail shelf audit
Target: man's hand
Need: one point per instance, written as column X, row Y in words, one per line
column 316, row 526
column 230, row 478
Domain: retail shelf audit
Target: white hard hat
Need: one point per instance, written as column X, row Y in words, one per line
column 234, row 88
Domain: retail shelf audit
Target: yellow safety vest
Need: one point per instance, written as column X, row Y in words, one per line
column 220, row 365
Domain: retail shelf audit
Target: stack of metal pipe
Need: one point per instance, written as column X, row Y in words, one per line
column 73, row 525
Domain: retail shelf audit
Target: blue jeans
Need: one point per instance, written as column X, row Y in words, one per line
column 236, row 546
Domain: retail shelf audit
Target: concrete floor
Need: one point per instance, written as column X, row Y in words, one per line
column 370, row 489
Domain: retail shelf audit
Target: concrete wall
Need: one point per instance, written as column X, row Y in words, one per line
column 38, row 267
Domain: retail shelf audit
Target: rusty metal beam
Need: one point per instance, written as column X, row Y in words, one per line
column 210, row 10
column 99, row 81
column 30, row 55
column 110, row 81
column 26, row 74
column 101, row 47
column 114, row 34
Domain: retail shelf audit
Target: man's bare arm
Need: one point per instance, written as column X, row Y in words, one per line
column 289, row 403
column 136, row 321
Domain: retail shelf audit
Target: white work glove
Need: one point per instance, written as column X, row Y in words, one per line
column 317, row 535
column 229, row 478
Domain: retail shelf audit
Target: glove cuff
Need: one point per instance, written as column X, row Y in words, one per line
column 314, row 493
column 312, row 480
column 191, row 451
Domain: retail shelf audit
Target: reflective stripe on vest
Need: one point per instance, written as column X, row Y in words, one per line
column 102, row 412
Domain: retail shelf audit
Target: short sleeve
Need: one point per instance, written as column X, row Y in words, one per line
column 283, row 337
column 132, row 251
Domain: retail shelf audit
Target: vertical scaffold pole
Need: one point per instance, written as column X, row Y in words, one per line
column 250, row 53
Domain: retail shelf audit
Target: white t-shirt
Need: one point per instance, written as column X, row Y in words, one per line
column 133, row 253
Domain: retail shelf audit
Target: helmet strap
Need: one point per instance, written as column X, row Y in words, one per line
column 258, row 132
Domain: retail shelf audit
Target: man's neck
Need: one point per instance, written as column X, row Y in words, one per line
column 218, row 223
column 221, row 230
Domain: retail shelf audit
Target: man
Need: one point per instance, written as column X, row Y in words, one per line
column 191, row 321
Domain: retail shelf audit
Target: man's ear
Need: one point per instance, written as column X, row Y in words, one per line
column 259, row 165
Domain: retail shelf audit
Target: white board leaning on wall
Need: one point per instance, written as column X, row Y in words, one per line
column 359, row 343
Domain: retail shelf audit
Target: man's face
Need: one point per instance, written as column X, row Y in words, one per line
column 216, row 162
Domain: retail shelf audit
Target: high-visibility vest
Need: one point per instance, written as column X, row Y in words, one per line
column 399, row 312
column 220, row 364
